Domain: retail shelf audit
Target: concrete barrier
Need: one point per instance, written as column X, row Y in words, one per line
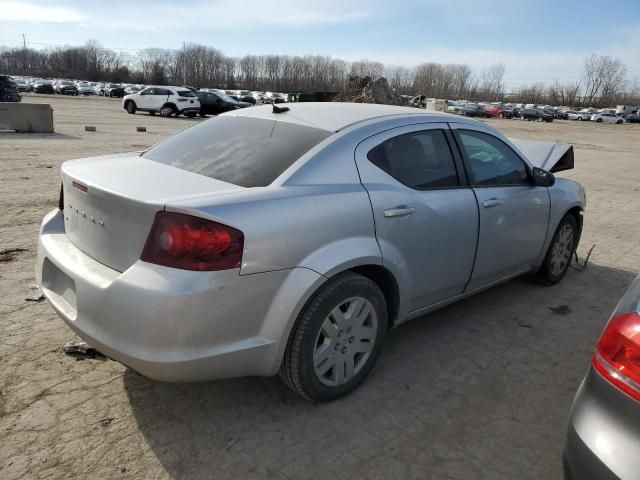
column 26, row 117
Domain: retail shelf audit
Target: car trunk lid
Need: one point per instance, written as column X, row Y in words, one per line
column 110, row 202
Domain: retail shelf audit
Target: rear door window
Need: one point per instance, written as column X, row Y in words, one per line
column 420, row 160
column 244, row 151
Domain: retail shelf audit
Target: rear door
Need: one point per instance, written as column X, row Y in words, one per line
column 159, row 98
column 426, row 217
column 514, row 213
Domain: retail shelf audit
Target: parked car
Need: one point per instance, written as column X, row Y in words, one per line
column 99, row 88
column 604, row 423
column 167, row 101
column 132, row 89
column 8, row 90
column 65, row 87
column 247, row 97
column 560, row 115
column 113, row 90
column 85, row 89
column 606, row 118
column 250, row 244
column 213, row 103
column 233, row 94
column 534, row 115
column 474, row 110
column 498, row 111
column 42, row 86
column 22, row 85
column 632, row 118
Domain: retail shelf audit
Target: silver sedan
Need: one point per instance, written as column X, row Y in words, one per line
column 275, row 239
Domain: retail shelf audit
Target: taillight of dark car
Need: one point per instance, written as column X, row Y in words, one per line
column 617, row 356
column 192, row 243
column 61, row 198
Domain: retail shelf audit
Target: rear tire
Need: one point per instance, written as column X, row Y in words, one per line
column 599, row 120
column 619, row 122
column 336, row 339
column 168, row 111
column 190, row 114
column 558, row 258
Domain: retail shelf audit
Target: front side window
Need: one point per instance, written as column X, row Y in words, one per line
column 491, row 161
column 419, row 160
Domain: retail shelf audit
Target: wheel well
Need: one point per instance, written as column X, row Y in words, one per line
column 169, row 104
column 387, row 283
column 577, row 213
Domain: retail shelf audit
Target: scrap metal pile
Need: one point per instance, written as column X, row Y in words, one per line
column 367, row 90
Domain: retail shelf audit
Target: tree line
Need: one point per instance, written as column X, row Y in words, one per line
column 603, row 83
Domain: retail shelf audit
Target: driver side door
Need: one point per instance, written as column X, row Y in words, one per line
column 144, row 98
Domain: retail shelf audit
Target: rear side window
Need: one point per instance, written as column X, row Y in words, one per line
column 420, row 160
column 244, row 151
column 186, row 93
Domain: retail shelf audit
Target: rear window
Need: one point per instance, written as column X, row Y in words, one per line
column 186, row 93
column 244, row 151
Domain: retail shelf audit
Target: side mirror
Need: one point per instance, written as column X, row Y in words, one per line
column 542, row 178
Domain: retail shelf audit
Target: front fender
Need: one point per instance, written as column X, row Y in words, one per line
column 565, row 195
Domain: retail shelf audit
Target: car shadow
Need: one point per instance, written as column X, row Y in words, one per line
column 479, row 382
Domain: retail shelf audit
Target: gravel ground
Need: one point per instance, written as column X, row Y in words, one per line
column 480, row 389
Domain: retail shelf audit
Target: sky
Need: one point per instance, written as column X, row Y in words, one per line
column 537, row 40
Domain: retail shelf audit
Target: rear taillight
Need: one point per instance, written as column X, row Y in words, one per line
column 192, row 243
column 617, row 356
column 61, row 198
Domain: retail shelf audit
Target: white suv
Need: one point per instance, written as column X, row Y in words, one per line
column 167, row 101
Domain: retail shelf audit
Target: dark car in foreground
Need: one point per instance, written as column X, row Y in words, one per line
column 603, row 438
column 8, row 90
column 632, row 118
column 534, row 115
column 214, row 103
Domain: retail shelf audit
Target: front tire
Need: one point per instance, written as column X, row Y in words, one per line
column 599, row 120
column 336, row 339
column 558, row 258
column 130, row 106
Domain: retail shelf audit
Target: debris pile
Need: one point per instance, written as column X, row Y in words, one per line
column 367, row 90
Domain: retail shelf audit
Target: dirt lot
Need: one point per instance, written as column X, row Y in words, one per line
column 479, row 390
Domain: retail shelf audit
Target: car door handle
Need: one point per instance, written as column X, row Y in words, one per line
column 492, row 202
column 399, row 211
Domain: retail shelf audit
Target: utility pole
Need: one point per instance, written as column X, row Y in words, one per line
column 24, row 53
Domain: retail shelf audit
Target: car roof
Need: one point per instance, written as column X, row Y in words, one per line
column 335, row 116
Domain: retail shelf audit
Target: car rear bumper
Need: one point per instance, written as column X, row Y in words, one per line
column 603, row 438
column 190, row 108
column 169, row 324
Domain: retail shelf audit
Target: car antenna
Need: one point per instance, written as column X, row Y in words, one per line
column 277, row 109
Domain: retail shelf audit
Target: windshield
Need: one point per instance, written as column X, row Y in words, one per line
column 226, row 97
column 244, row 151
